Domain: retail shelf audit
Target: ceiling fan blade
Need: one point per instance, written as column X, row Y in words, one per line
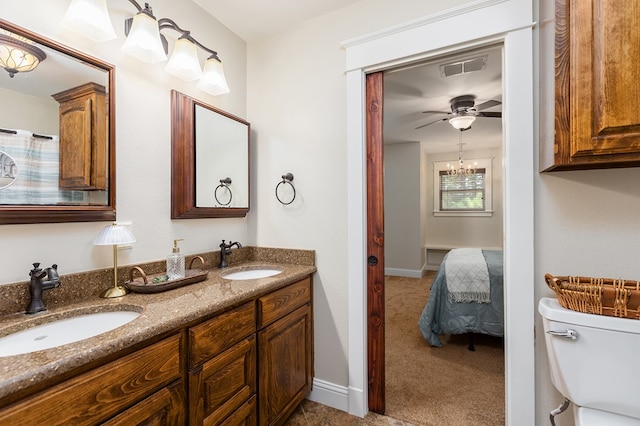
column 488, row 104
column 436, row 112
column 489, row 114
column 432, row 122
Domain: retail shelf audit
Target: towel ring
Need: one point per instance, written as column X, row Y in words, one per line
column 286, row 179
column 224, row 183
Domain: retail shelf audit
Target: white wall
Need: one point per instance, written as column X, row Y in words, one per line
column 586, row 221
column 454, row 231
column 297, row 107
column 403, row 252
column 31, row 113
column 143, row 144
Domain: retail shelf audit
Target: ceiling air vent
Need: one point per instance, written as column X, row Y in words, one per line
column 463, row 67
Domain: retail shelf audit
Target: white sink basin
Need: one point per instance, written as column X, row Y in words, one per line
column 251, row 274
column 63, row 331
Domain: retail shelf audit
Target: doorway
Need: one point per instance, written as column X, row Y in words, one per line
column 415, row 102
column 414, row 42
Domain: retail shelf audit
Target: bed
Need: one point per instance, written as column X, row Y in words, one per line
column 441, row 315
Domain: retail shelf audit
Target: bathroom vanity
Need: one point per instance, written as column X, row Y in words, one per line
column 214, row 352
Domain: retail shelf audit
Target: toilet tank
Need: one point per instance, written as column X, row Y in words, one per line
column 600, row 369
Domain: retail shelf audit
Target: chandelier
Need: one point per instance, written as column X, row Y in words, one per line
column 461, row 170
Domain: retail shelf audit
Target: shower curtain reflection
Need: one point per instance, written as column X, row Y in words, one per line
column 34, row 171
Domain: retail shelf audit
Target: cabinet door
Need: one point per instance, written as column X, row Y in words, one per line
column 222, row 385
column 165, row 407
column 102, row 393
column 75, row 144
column 285, row 354
column 597, row 122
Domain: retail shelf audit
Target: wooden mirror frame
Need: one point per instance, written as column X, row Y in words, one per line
column 22, row 213
column 183, row 160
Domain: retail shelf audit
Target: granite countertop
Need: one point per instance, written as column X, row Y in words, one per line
column 160, row 313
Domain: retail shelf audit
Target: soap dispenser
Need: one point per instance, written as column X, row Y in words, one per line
column 175, row 263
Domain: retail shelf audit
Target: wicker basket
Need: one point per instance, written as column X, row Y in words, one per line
column 602, row 296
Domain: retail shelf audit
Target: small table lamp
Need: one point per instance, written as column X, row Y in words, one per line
column 113, row 235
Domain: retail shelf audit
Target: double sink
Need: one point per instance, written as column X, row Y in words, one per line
column 56, row 331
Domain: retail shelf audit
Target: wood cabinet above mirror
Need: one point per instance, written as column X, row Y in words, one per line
column 57, row 135
column 209, row 161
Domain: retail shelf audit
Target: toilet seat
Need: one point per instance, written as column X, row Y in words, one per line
column 590, row 417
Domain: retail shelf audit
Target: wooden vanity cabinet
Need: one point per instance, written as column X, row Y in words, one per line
column 222, row 369
column 146, row 379
column 285, row 351
column 597, row 62
column 250, row 365
column 83, row 137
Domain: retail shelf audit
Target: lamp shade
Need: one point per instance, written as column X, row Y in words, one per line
column 462, row 122
column 213, row 80
column 19, row 54
column 89, row 18
column 143, row 41
column 184, row 62
column 114, row 234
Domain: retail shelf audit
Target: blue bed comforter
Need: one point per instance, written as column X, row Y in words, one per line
column 440, row 316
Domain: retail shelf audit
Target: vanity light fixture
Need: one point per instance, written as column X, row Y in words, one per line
column 146, row 42
column 112, row 235
column 90, row 18
column 19, row 54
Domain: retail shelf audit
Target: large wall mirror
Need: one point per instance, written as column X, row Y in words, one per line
column 209, row 161
column 57, row 127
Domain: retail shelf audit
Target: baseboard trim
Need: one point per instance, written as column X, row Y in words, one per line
column 330, row 394
column 410, row 273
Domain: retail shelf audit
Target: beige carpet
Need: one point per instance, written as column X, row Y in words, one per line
column 437, row 386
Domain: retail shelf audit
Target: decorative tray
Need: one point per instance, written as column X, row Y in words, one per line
column 158, row 282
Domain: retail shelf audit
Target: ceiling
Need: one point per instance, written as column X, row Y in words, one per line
column 255, row 19
column 411, row 90
column 408, row 91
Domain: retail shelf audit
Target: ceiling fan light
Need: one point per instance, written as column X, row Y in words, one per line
column 462, row 122
column 213, row 80
column 184, row 62
column 143, row 41
column 89, row 18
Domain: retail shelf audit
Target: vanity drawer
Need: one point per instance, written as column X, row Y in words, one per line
column 99, row 394
column 279, row 303
column 214, row 336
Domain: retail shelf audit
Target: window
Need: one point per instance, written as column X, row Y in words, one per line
column 462, row 195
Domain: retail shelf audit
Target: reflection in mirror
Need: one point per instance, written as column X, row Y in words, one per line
column 221, row 159
column 209, row 161
column 8, row 170
column 56, row 125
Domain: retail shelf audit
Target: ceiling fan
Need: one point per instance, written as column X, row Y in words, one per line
column 464, row 111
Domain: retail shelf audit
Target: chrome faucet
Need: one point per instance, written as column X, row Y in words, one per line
column 37, row 286
column 225, row 250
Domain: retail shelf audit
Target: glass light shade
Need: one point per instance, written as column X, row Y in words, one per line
column 89, row 18
column 184, row 62
column 213, row 81
column 462, row 122
column 113, row 235
column 143, row 41
column 19, row 54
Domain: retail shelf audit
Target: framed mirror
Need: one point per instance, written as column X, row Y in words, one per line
column 57, row 132
column 209, row 161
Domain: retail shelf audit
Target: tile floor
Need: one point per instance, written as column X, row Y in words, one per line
column 311, row 413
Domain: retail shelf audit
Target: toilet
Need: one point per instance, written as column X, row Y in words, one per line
column 595, row 364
